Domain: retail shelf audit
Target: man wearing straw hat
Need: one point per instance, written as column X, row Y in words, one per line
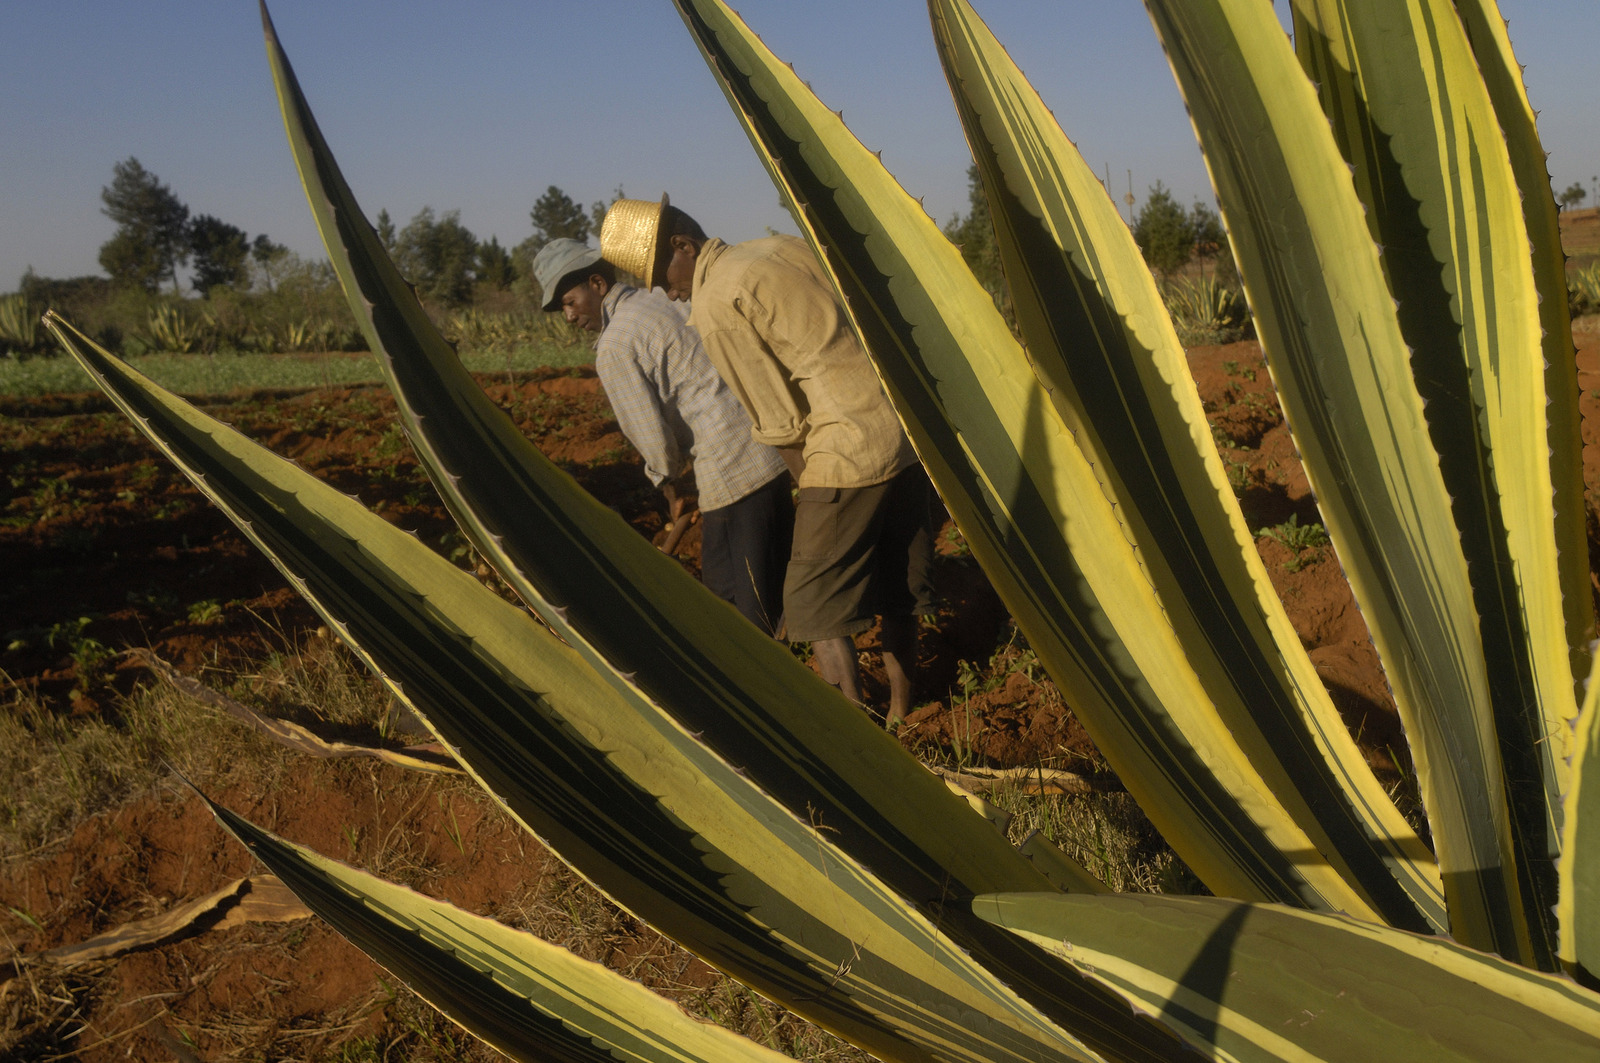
column 774, row 329
column 673, row 407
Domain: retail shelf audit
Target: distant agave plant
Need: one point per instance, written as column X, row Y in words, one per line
column 1204, row 310
column 1585, row 290
column 712, row 786
column 19, row 323
column 170, row 330
column 307, row 334
column 480, row 330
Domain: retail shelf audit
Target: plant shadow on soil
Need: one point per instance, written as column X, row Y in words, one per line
column 107, row 546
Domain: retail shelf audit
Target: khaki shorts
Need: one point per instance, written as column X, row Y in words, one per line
column 859, row 552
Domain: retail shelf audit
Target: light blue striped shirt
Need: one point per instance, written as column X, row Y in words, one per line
column 670, row 402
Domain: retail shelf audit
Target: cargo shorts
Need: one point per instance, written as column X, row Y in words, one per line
column 859, row 553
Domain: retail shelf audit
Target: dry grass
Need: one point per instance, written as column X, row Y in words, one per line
column 1108, row 834
column 64, row 769
column 40, row 1011
column 71, row 769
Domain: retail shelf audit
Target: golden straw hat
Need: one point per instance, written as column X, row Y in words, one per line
column 628, row 236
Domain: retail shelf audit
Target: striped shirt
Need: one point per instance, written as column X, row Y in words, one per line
column 671, row 404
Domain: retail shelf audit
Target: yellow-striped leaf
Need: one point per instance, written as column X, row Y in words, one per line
column 1579, row 909
column 1328, row 326
column 1261, row 983
column 1412, row 116
column 1502, row 75
column 1033, row 506
column 530, row 999
column 1101, row 341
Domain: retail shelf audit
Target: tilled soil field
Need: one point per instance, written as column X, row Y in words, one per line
column 105, row 546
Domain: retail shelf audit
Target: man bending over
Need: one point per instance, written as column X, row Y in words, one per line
column 673, row 408
column 771, row 323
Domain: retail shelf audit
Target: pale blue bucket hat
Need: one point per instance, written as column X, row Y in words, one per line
column 554, row 261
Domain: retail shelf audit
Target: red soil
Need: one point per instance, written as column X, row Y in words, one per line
column 99, row 526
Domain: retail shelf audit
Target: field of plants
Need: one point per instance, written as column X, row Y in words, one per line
column 111, row 549
column 1381, row 843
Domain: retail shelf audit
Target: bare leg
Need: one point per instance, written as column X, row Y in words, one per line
column 899, row 639
column 836, row 658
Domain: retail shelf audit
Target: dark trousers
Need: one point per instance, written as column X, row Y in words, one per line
column 744, row 550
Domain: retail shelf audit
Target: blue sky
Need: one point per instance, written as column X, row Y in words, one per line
column 478, row 105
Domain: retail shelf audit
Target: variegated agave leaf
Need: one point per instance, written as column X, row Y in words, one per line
column 528, row 998
column 1410, row 112
column 1102, row 343
column 1328, row 326
column 1028, row 498
column 1502, row 75
column 1260, row 983
column 1578, row 911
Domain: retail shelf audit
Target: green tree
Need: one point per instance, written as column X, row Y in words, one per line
column 437, row 255
column 1574, row 195
column 386, row 231
column 494, row 268
column 1206, row 227
column 1164, row 232
column 152, row 237
column 555, row 214
column 220, row 253
column 1211, row 242
column 266, row 262
column 974, row 234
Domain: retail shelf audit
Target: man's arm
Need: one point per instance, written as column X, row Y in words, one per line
column 637, row 404
column 759, row 381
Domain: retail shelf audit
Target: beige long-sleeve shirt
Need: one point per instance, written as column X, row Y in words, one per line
column 770, row 322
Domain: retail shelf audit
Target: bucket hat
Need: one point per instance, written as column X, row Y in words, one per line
column 554, row 261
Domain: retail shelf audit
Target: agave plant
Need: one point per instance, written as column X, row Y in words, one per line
column 475, row 330
column 709, row 784
column 1584, row 291
column 170, row 329
column 306, row 334
column 1205, row 310
column 19, row 323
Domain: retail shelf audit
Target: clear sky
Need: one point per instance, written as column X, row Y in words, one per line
column 478, row 105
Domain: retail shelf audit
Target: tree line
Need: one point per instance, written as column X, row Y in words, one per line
column 449, row 265
column 156, row 238
column 255, row 294
column 235, row 291
column 1169, row 236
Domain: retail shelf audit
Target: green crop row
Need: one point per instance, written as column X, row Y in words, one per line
column 209, row 374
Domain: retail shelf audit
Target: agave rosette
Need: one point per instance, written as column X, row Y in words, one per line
column 685, row 765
